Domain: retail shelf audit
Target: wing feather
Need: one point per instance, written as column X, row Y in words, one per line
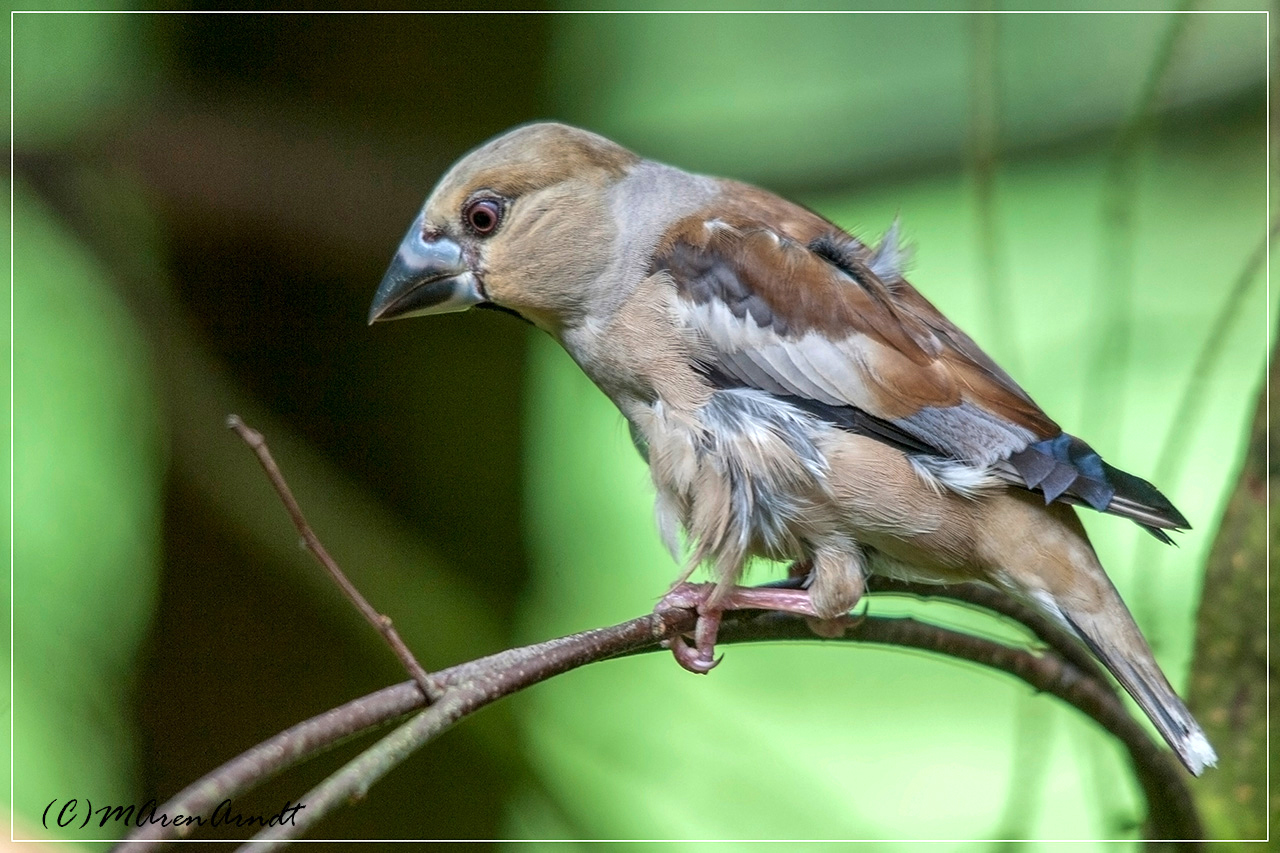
column 798, row 311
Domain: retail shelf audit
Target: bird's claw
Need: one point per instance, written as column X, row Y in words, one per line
column 693, row 659
column 698, row 657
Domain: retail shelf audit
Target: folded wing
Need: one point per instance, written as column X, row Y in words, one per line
column 803, row 310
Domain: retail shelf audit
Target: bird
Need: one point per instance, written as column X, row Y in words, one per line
column 794, row 396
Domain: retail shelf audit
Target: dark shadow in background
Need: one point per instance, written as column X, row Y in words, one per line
column 285, row 155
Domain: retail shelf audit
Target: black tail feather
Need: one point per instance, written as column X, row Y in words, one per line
column 1141, row 492
column 1066, row 468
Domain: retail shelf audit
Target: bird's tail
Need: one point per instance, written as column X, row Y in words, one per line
column 1111, row 634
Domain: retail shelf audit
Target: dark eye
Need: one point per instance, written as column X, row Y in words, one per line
column 483, row 215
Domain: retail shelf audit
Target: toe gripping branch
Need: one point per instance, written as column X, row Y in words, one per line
column 710, row 605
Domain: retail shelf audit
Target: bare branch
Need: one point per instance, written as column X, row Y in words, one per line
column 382, row 623
column 471, row 686
column 1171, row 813
column 989, row 598
column 290, row 747
column 459, row 691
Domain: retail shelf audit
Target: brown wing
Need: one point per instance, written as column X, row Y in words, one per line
column 796, row 308
column 780, row 299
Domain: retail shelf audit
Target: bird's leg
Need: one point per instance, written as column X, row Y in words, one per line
column 711, row 605
column 836, row 581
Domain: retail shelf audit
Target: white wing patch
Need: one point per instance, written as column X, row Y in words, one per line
column 835, row 373
column 811, row 366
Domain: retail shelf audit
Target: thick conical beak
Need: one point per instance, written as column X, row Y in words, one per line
column 425, row 277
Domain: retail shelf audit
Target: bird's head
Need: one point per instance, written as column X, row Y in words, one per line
column 521, row 223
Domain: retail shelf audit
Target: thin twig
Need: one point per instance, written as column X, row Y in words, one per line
column 382, row 623
column 989, row 598
column 263, row 762
column 478, row 682
column 466, row 688
column 538, row 663
column 461, row 690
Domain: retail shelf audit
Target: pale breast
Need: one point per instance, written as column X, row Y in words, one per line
column 743, row 474
column 748, row 474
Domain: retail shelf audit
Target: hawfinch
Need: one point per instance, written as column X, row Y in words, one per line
column 794, row 396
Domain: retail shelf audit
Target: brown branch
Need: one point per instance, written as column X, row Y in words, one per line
column 1171, row 812
column 459, row 691
column 462, row 689
column 989, row 598
column 467, row 688
column 382, row 623
column 263, row 762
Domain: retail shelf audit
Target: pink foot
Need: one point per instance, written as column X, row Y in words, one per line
column 699, row 658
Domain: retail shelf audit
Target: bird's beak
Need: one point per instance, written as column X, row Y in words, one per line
column 425, row 277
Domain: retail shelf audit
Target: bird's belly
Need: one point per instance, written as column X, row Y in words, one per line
column 753, row 476
column 885, row 504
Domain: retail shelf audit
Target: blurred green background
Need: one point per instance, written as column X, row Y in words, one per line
column 203, row 206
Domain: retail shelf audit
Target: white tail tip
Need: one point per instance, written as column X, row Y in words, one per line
column 1197, row 752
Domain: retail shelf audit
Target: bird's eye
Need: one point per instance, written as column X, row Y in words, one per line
column 483, row 215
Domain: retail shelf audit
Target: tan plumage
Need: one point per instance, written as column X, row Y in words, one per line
column 794, row 395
